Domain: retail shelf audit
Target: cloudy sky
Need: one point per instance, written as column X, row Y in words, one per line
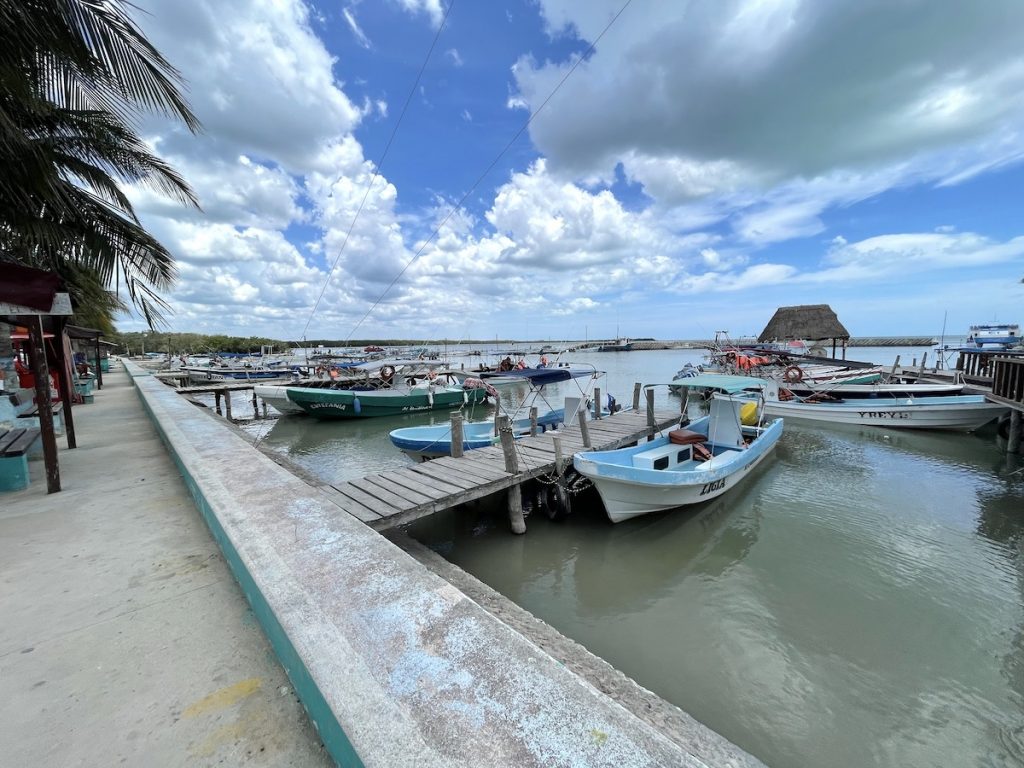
column 689, row 166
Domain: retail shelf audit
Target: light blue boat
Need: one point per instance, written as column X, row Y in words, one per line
column 685, row 466
column 433, row 441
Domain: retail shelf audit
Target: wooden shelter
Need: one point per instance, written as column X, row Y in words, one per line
column 31, row 298
column 808, row 322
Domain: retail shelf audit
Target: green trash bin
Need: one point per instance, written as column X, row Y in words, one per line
column 105, row 364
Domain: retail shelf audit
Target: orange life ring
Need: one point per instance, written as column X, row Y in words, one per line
column 793, row 374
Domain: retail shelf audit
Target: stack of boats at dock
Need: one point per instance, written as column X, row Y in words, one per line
column 846, row 392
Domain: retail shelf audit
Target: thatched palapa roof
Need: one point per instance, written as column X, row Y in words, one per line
column 810, row 322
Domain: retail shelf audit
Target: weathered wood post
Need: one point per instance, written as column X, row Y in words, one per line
column 636, row 396
column 255, row 405
column 684, row 401
column 533, row 421
column 597, row 403
column 457, row 435
column 1014, row 438
column 37, row 360
column 650, row 413
column 515, row 492
column 227, row 404
column 264, row 408
column 920, row 371
column 216, row 402
column 584, row 431
column 497, row 412
column 559, row 460
column 895, row 365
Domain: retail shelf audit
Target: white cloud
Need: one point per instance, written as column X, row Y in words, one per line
column 361, row 39
column 775, row 89
column 454, row 57
column 432, row 8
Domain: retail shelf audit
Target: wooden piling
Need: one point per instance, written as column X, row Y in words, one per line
column 650, row 411
column 895, row 365
column 533, row 421
column 559, row 460
column 636, row 395
column 1014, row 438
column 255, row 406
column 584, row 431
column 920, row 371
column 264, row 409
column 597, row 403
column 216, row 402
column 227, row 404
column 457, row 435
column 515, row 493
column 497, row 412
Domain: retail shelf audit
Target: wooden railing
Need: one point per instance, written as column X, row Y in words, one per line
column 976, row 364
column 1008, row 378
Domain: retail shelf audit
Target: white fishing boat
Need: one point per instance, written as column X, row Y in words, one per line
column 877, row 390
column 964, row 413
column 685, row 466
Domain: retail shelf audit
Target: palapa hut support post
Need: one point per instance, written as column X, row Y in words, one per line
column 809, row 322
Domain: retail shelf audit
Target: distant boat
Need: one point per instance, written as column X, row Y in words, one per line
column 686, row 466
column 994, row 336
column 619, row 345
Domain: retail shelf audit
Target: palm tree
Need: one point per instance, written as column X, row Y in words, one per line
column 75, row 77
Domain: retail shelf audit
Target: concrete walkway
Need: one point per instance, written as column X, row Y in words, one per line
column 124, row 639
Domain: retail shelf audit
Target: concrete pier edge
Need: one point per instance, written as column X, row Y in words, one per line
column 394, row 665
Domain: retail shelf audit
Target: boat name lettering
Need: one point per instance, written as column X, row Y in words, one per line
column 884, row 414
column 712, row 487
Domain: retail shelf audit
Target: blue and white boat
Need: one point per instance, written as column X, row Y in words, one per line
column 685, row 466
column 994, row 336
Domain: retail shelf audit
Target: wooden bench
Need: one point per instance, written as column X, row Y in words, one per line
column 29, row 410
column 14, row 447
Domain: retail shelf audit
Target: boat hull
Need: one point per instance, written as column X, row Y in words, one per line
column 363, row 404
column 964, row 413
column 277, row 398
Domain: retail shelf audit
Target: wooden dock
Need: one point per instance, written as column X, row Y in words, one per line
column 400, row 496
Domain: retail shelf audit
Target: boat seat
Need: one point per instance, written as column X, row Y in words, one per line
column 686, row 437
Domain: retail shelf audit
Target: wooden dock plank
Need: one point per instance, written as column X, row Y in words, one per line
column 448, row 476
column 385, row 495
column 416, row 485
column 476, row 465
column 419, row 480
column 412, row 497
column 370, row 502
column 348, row 505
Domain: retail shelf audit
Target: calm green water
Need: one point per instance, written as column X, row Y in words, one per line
column 858, row 602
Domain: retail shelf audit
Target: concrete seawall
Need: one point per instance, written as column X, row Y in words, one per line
column 395, row 665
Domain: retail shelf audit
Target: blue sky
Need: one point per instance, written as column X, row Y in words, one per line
column 706, row 163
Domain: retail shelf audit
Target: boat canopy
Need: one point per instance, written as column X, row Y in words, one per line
column 729, row 384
